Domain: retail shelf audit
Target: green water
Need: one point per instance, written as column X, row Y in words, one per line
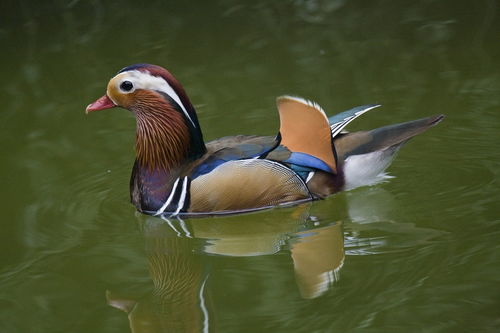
column 419, row 253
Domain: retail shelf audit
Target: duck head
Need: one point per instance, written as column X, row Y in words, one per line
column 168, row 132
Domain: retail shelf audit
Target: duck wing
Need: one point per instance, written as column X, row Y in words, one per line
column 232, row 148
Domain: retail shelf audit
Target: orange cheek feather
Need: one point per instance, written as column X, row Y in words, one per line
column 122, row 100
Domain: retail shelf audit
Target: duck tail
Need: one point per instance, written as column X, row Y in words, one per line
column 364, row 156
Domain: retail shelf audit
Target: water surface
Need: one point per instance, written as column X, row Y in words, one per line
column 419, row 253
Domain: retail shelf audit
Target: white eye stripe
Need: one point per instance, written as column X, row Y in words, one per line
column 142, row 80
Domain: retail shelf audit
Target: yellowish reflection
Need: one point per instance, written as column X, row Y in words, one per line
column 180, row 300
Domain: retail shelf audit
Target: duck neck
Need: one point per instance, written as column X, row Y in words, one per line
column 165, row 140
column 165, row 143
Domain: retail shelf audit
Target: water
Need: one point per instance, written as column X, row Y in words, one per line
column 418, row 253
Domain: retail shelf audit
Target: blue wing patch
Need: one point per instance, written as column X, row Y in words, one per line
column 307, row 161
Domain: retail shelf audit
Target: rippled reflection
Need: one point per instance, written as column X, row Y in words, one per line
column 180, row 252
column 178, row 301
column 180, row 297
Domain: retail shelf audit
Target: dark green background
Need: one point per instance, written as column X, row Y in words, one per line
column 421, row 251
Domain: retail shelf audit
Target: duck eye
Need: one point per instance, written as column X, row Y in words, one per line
column 126, row 86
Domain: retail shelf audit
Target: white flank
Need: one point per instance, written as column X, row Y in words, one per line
column 169, row 199
column 367, row 169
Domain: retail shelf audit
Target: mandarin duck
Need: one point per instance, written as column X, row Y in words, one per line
column 177, row 174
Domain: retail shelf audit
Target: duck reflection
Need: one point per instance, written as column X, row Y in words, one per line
column 318, row 256
column 180, row 299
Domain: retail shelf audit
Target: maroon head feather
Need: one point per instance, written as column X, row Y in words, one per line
column 159, row 71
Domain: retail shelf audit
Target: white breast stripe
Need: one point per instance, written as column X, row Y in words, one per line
column 170, row 197
column 183, row 196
